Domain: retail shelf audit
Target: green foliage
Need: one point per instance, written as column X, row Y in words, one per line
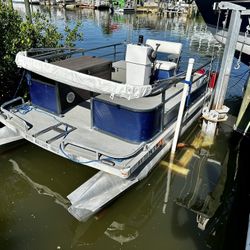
column 9, row 43
column 72, row 35
column 9, row 37
column 40, row 33
column 17, row 34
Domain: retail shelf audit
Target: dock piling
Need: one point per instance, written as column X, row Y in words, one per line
column 243, row 123
column 218, row 113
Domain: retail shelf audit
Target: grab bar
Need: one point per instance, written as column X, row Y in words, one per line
column 9, row 115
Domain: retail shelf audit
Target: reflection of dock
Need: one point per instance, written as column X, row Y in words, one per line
column 128, row 11
column 86, row 6
column 152, row 9
column 178, row 9
column 93, row 4
column 30, row 1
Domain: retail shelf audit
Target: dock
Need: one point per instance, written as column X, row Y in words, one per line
column 147, row 9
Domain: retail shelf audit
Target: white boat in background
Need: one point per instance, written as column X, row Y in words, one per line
column 216, row 21
column 117, row 116
column 101, row 4
column 95, row 4
column 125, row 11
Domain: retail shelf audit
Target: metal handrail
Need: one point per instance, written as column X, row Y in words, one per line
column 50, row 53
column 104, row 47
column 112, row 54
column 10, row 115
column 3, row 106
column 162, row 85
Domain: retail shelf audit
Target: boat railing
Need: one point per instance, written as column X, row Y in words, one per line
column 49, row 54
column 116, row 50
column 160, row 87
column 10, row 114
column 52, row 54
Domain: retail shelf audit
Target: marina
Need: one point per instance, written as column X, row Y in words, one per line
column 95, row 97
column 168, row 8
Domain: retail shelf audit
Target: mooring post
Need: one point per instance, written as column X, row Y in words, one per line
column 182, row 104
column 178, row 128
column 243, row 119
column 135, row 5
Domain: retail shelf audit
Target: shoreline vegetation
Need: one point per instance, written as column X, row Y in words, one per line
column 18, row 34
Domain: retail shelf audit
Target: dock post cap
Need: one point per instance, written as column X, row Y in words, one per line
column 191, row 60
column 227, row 5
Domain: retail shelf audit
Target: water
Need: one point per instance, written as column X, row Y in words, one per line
column 34, row 183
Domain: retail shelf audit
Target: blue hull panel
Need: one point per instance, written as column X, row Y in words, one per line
column 134, row 126
column 44, row 96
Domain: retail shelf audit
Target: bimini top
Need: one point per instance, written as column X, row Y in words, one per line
column 80, row 80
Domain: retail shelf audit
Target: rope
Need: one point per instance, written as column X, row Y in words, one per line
column 20, row 83
column 86, row 162
column 46, row 113
column 189, row 92
column 24, row 109
column 242, row 76
column 74, row 160
column 213, row 56
column 237, row 66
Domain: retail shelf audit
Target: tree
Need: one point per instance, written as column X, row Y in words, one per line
column 17, row 35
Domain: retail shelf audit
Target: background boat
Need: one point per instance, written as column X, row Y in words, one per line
column 211, row 18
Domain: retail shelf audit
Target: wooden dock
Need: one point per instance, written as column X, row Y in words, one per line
column 147, row 9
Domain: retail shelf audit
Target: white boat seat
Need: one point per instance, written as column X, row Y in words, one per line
column 165, row 65
column 169, row 48
column 165, row 46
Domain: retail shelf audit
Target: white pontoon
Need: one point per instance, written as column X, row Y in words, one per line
column 116, row 116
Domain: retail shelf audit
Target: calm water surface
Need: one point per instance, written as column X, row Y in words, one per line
column 34, row 183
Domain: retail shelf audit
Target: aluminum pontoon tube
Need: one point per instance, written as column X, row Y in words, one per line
column 7, row 137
